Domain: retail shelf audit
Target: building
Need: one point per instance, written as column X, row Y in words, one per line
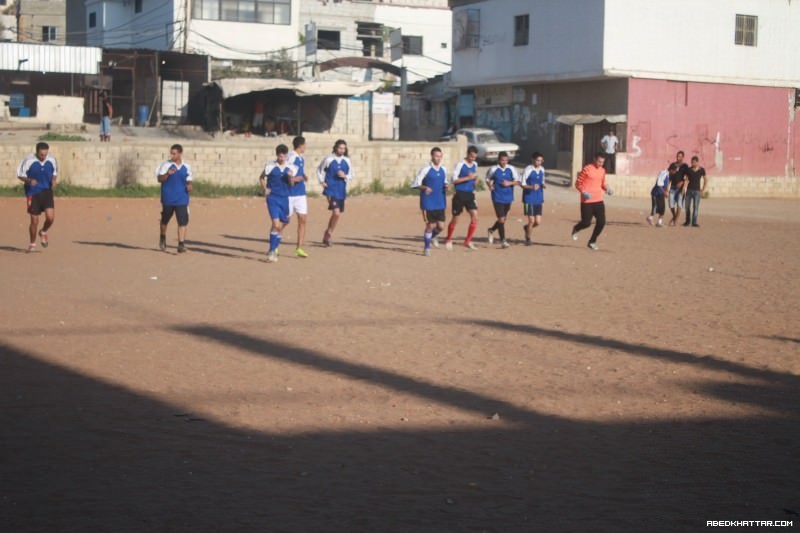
column 41, row 21
column 718, row 79
column 364, row 29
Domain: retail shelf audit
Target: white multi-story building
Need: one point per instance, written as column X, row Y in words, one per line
column 716, row 78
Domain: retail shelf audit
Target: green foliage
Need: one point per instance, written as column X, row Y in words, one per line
column 51, row 136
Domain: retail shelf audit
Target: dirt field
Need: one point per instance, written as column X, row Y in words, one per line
column 368, row 388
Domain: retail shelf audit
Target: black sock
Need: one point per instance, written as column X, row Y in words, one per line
column 493, row 228
column 502, row 228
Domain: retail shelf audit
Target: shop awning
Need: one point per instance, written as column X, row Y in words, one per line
column 571, row 120
column 236, row 86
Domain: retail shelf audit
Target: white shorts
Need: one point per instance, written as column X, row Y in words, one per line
column 298, row 204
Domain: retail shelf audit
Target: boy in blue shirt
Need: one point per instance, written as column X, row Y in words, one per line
column 175, row 177
column 465, row 175
column 533, row 195
column 298, row 201
column 501, row 179
column 431, row 181
column 39, row 173
column 333, row 174
column 277, row 179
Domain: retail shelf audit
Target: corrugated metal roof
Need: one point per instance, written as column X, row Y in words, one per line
column 50, row 58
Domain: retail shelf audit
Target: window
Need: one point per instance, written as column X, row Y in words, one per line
column 466, row 29
column 328, row 40
column 263, row 11
column 371, row 36
column 137, row 6
column 746, row 30
column 521, row 30
column 48, row 34
column 412, row 45
column 92, row 20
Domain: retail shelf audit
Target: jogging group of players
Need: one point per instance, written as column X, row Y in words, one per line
column 284, row 184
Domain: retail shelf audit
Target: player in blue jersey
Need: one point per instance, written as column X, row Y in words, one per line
column 39, row 173
column 298, row 201
column 333, row 173
column 277, row 179
column 465, row 176
column 175, row 177
column 533, row 194
column 431, row 181
column 501, row 179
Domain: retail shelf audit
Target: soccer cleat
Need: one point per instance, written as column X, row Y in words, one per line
column 181, row 247
column 490, row 237
column 660, row 223
column 593, row 246
column 300, row 253
column 470, row 246
column 505, row 244
column 272, row 257
column 43, row 237
column 327, row 243
column 650, row 220
column 528, row 242
column 574, row 235
column 32, row 247
column 426, row 252
column 435, row 242
column 162, row 243
column 448, row 246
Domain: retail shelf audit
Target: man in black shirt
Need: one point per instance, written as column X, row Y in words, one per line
column 677, row 184
column 695, row 187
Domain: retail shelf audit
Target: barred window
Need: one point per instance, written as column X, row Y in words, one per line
column 746, row 33
column 521, row 30
column 264, row 11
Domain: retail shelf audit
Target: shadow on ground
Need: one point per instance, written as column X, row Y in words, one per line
column 84, row 455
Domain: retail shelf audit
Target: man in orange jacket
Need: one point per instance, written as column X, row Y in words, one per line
column 591, row 183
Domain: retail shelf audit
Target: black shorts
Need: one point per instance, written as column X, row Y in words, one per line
column 462, row 200
column 333, row 203
column 532, row 210
column 433, row 216
column 40, row 201
column 501, row 210
column 181, row 213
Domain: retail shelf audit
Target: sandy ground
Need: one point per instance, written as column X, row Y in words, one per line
column 366, row 388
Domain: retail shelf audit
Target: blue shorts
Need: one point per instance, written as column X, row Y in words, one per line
column 278, row 207
column 105, row 126
column 675, row 198
column 532, row 210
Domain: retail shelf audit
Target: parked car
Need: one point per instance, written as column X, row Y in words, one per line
column 488, row 144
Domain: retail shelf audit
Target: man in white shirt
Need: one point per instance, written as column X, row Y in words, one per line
column 609, row 144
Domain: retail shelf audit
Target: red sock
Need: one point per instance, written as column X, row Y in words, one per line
column 471, row 232
column 450, row 229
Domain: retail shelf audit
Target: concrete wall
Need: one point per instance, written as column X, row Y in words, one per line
column 735, row 130
column 240, row 162
column 36, row 14
column 59, row 109
column 565, row 42
column 118, row 26
column 718, row 186
column 691, row 40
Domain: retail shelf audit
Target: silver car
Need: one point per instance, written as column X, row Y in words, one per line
column 487, row 143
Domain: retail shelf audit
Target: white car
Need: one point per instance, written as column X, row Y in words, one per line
column 487, row 143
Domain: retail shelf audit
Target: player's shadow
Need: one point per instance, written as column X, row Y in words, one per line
column 194, row 243
column 243, row 238
column 120, row 245
column 13, row 249
column 375, row 244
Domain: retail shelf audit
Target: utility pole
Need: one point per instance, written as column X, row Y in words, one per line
column 186, row 19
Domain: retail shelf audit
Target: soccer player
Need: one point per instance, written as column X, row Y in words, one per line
column 431, row 181
column 175, row 177
column 658, row 193
column 298, row 202
column 591, row 183
column 39, row 173
column 465, row 176
column 333, row 174
column 501, row 179
column 277, row 179
column 533, row 194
